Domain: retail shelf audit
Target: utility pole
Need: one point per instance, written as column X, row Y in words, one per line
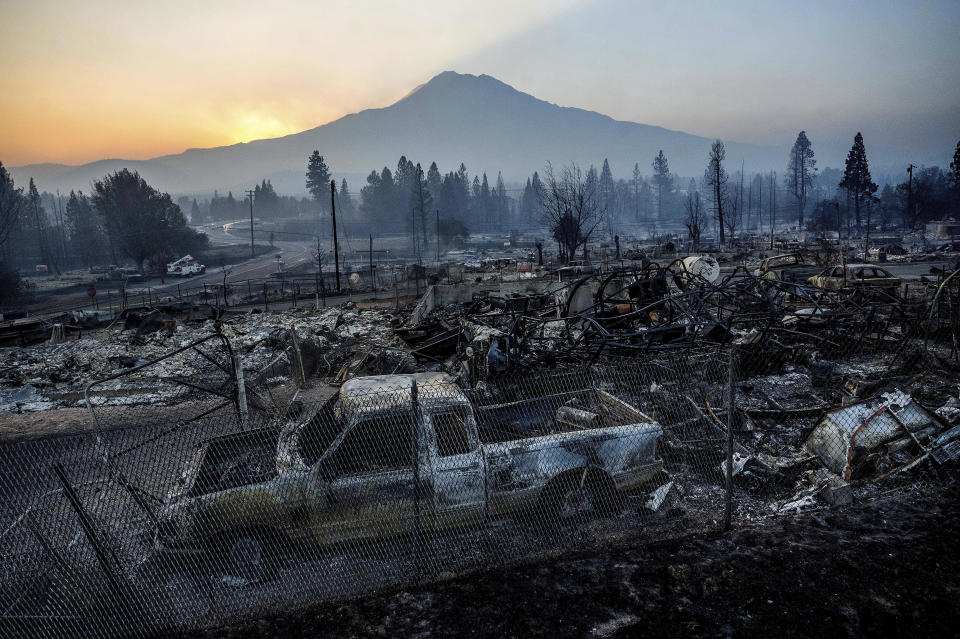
column 333, row 214
column 740, row 221
column 373, row 281
column 250, row 195
column 910, row 204
column 438, row 238
column 760, row 207
column 843, row 259
column 773, row 206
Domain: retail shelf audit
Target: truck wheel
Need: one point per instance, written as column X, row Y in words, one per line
column 246, row 561
column 186, row 600
column 573, row 499
column 576, row 502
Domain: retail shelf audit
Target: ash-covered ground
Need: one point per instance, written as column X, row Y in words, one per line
column 887, row 567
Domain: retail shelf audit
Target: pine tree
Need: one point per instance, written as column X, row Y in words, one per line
column 484, row 203
column 84, row 227
column 500, row 201
column 856, row 177
column 801, row 169
column 421, row 203
column 637, row 181
column 370, row 198
column 592, row 180
column 318, row 180
column 345, row 204
column 476, row 190
column 11, row 205
column 143, row 222
column 533, row 206
column 526, row 203
column 405, row 181
column 663, row 180
column 953, row 177
column 434, row 181
column 390, row 218
column 607, row 189
column 39, row 213
column 889, row 205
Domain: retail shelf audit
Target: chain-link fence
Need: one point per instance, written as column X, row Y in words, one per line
column 243, row 492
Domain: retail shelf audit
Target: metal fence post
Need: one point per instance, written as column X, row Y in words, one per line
column 104, row 556
column 301, row 371
column 731, row 412
column 415, row 444
column 241, row 392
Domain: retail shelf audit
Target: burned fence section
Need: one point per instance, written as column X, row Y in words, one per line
column 220, row 374
column 394, row 481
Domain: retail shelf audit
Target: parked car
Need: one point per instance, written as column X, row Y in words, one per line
column 861, row 277
column 790, row 267
column 373, row 464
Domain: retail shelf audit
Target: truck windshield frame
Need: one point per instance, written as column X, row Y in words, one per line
column 376, row 442
column 452, row 431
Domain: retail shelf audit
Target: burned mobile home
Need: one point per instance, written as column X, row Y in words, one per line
column 218, row 468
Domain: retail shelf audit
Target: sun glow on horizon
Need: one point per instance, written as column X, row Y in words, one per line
column 93, row 79
column 257, row 125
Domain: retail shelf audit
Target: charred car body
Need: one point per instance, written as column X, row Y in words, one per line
column 857, row 276
column 376, row 463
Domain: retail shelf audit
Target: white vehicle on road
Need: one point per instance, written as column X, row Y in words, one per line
column 186, row 266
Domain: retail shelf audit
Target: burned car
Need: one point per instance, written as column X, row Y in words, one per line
column 865, row 277
column 395, row 453
column 789, row 267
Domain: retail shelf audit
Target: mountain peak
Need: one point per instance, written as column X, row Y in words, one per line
column 457, row 82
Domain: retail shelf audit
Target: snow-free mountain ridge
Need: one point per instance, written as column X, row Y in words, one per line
column 453, row 118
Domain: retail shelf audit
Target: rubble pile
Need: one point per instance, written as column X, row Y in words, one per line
column 807, row 355
column 53, row 375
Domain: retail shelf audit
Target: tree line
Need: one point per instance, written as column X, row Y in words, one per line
column 122, row 218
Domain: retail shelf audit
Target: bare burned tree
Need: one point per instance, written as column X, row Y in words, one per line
column 696, row 218
column 570, row 204
column 734, row 212
column 716, row 178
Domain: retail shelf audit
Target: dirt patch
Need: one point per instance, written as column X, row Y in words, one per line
column 884, row 568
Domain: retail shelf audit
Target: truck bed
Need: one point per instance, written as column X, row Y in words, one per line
column 552, row 414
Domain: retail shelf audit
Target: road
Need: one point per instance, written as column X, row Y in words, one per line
column 291, row 253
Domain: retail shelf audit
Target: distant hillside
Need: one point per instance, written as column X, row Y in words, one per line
column 453, row 118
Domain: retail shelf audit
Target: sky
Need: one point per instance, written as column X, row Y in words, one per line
column 106, row 79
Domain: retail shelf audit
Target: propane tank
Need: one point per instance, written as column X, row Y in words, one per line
column 698, row 268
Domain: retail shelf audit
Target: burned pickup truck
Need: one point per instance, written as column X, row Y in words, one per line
column 393, row 453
